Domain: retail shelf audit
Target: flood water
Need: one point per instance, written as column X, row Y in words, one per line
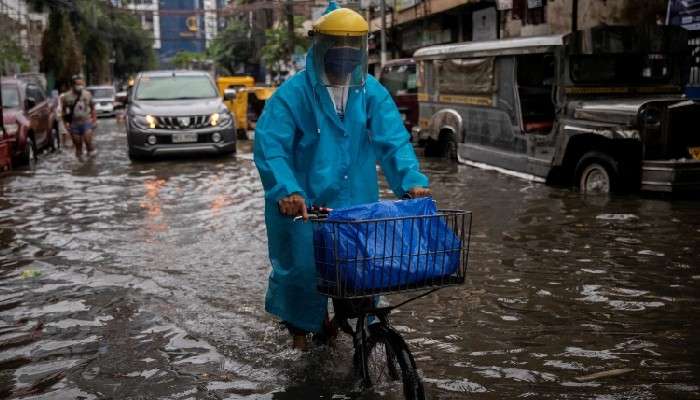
column 147, row 281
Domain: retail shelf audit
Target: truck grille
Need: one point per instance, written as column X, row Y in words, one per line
column 183, row 122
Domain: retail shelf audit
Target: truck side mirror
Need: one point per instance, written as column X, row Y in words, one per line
column 229, row 94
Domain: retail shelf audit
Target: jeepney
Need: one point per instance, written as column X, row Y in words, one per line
column 244, row 99
column 602, row 109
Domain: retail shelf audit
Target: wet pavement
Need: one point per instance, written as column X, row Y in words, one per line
column 146, row 280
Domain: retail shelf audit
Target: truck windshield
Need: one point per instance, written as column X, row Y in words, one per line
column 175, row 88
column 621, row 69
column 10, row 97
column 400, row 79
column 102, row 93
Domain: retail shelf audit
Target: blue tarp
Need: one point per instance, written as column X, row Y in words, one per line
column 367, row 248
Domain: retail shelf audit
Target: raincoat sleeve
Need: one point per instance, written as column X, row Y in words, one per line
column 393, row 147
column 274, row 137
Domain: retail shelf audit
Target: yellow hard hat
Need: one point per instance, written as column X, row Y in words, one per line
column 341, row 22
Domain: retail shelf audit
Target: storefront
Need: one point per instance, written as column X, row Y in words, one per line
column 686, row 13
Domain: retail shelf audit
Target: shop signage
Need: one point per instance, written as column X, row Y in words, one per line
column 534, row 3
column 685, row 13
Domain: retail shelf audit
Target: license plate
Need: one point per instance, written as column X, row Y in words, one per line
column 184, row 137
column 695, row 152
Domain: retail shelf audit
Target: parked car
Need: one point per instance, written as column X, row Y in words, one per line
column 30, row 120
column 162, row 119
column 601, row 109
column 104, row 99
column 400, row 79
column 34, row 77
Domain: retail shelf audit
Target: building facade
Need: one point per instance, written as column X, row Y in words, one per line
column 412, row 24
column 20, row 26
column 178, row 25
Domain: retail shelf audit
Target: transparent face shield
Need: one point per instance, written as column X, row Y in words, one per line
column 340, row 61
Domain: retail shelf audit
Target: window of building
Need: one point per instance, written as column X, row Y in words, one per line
column 530, row 12
column 147, row 21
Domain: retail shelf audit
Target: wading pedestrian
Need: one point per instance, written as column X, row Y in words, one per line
column 79, row 116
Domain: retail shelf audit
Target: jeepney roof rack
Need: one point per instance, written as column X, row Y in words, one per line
column 524, row 45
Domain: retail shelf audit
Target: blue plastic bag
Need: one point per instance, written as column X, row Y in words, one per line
column 385, row 246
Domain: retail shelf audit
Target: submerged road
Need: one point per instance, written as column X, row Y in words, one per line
column 146, row 281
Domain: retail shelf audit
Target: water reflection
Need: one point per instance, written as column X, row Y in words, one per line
column 559, row 287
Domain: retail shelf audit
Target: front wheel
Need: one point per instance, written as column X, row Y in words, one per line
column 445, row 147
column 390, row 366
column 597, row 173
column 28, row 156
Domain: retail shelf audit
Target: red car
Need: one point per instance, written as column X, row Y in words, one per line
column 30, row 119
column 399, row 77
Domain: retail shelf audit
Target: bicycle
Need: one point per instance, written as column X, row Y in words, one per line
column 381, row 355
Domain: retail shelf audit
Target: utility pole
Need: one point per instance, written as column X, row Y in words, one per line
column 2, row 117
column 290, row 27
column 382, row 13
column 574, row 15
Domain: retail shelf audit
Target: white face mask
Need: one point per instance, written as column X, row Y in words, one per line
column 78, row 88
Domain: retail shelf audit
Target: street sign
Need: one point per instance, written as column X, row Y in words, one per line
column 534, row 3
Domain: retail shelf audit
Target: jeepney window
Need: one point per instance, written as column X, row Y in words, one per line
column 399, row 79
column 424, row 81
column 535, row 77
column 621, row 68
column 466, row 76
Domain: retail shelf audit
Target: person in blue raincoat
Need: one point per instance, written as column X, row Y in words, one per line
column 317, row 143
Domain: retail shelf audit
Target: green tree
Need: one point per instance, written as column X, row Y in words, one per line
column 184, row 59
column 61, row 55
column 276, row 48
column 11, row 54
column 97, row 31
column 133, row 47
column 232, row 47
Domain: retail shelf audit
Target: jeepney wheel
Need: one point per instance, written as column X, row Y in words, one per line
column 597, row 174
column 444, row 147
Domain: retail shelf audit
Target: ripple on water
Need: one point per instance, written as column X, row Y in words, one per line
column 459, row 385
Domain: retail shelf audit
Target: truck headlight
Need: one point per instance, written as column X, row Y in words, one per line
column 220, row 118
column 151, row 120
column 144, row 121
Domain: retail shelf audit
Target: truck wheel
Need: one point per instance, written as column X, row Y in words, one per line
column 55, row 143
column 597, row 173
column 28, row 156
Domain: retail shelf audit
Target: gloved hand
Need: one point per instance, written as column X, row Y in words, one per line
column 420, row 192
column 293, row 205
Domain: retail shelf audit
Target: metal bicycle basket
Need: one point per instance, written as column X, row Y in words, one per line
column 390, row 255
